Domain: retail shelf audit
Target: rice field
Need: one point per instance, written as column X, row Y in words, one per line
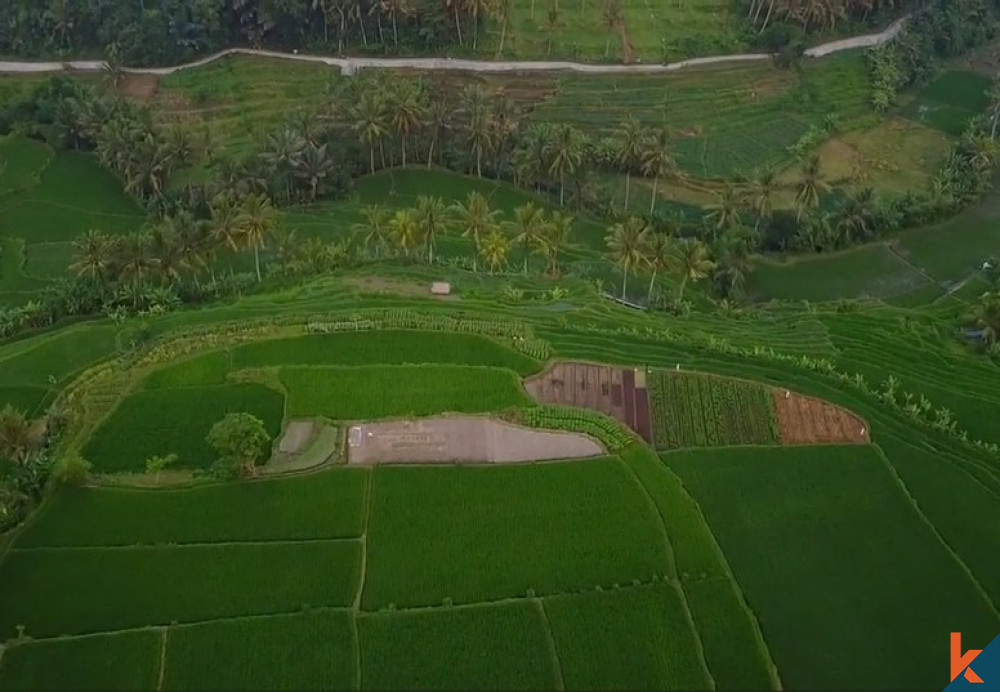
column 950, row 101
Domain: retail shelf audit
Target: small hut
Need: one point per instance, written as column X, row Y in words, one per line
column 440, row 288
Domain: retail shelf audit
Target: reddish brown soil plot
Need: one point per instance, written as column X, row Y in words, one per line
column 804, row 420
column 599, row 387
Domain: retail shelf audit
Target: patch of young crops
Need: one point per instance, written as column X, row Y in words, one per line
column 586, row 421
column 495, row 646
column 389, row 347
column 76, row 591
column 306, row 651
column 796, row 525
column 56, row 356
column 328, row 504
column 634, row 638
column 693, row 410
column 203, row 369
column 482, row 533
column 121, row 661
column 399, row 390
column 25, row 399
column 175, row 421
column 735, row 654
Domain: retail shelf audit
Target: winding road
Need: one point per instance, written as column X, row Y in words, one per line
column 350, row 66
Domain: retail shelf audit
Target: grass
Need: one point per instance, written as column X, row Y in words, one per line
column 690, row 410
column 176, row 421
column 869, row 271
column 950, row 101
column 21, row 162
column 399, row 390
column 126, row 661
column 23, row 398
column 328, row 504
column 637, row 638
column 55, row 356
column 502, row 531
column 485, row 647
column 118, row 588
column 307, row 651
column 808, row 579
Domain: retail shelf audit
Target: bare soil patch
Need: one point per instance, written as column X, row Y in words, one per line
column 805, row 420
column 457, row 439
column 139, row 86
column 377, row 284
column 603, row 388
column 296, row 437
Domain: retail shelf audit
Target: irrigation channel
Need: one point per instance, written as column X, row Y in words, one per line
column 352, row 65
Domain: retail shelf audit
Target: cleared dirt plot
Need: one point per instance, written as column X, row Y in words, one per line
column 473, row 439
column 823, row 541
column 603, row 388
column 319, row 447
column 305, row 651
column 327, row 504
column 634, row 638
column 805, row 420
column 127, row 661
column 120, row 588
column 482, row 647
column 478, row 533
column 296, row 436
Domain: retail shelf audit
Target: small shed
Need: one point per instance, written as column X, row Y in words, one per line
column 441, row 288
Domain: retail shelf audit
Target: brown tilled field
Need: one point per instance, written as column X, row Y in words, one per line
column 610, row 390
column 805, row 420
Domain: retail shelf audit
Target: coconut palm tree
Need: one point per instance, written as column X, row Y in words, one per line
column 475, row 107
column 658, row 257
column 257, row 220
column 375, row 230
column 611, row 18
column 725, row 213
column 553, row 23
column 554, row 239
column 164, row 246
column 438, row 120
column 810, row 187
column 431, row 217
column 528, row 228
column 454, row 6
column 408, row 104
column 500, row 10
column 565, row 153
column 626, row 244
column 313, row 167
column 657, row 161
column 475, row 219
column 693, row 262
column 986, row 316
column 494, row 249
column 474, row 8
column 405, row 231
column 628, row 143
column 369, row 122
column 136, row 261
column 93, row 256
column 762, row 191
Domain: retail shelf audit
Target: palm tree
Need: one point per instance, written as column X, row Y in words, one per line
column 475, row 108
column 808, row 193
column 494, row 249
column 438, row 116
column 693, row 262
column 628, row 142
column 430, row 217
column 93, row 255
column 553, row 22
column 529, row 228
column 224, row 222
column 763, row 186
column 257, row 220
column 405, row 230
column 611, row 17
column 474, row 8
column 565, row 153
column 500, row 9
column 986, row 316
column 408, row 104
column 627, row 246
column 657, row 161
column 165, row 248
column 368, row 116
column 554, row 238
column 725, row 213
column 659, row 257
column 375, row 229
column 313, row 168
column 282, row 152
column 136, row 261
column 475, row 219
column 453, row 5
